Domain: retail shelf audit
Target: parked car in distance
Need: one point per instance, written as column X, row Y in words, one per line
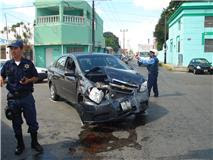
column 2, row 62
column 142, row 55
column 200, row 65
column 100, row 86
column 42, row 73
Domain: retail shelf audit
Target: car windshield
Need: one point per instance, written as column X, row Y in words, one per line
column 2, row 63
column 203, row 61
column 144, row 54
column 89, row 62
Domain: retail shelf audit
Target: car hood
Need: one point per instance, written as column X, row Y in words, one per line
column 129, row 76
column 41, row 70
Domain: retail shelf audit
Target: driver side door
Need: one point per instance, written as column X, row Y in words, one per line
column 70, row 81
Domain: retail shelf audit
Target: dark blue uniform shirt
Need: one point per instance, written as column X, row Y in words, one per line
column 15, row 73
column 152, row 64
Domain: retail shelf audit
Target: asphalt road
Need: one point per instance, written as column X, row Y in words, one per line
column 179, row 125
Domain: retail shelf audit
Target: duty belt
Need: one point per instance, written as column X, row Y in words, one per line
column 18, row 94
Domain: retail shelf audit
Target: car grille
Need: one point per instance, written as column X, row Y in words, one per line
column 122, row 87
column 205, row 68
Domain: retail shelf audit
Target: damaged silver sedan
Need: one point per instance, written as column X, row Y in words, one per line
column 100, row 86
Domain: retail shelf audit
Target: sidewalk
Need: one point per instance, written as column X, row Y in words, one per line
column 173, row 68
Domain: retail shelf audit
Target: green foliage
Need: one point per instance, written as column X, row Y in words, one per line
column 160, row 26
column 19, row 31
column 111, row 41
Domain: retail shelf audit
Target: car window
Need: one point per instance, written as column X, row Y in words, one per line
column 144, row 54
column 2, row 63
column 88, row 62
column 61, row 63
column 203, row 61
column 70, row 64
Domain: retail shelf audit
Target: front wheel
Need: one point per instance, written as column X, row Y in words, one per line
column 53, row 94
column 195, row 71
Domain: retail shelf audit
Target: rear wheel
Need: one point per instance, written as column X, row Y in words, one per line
column 53, row 94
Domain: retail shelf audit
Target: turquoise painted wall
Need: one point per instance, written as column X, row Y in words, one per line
column 40, row 55
column 47, row 34
column 60, row 34
column 190, row 35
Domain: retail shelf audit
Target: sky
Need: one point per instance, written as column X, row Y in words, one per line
column 139, row 17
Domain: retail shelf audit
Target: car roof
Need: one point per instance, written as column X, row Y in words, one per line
column 198, row 58
column 81, row 54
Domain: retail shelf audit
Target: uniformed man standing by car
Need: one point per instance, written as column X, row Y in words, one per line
column 152, row 67
column 21, row 74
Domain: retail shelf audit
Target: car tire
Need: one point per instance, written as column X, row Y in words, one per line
column 139, row 64
column 195, row 71
column 53, row 94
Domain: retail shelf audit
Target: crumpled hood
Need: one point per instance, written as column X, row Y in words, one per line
column 129, row 76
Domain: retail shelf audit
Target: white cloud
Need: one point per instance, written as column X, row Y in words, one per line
column 140, row 33
column 152, row 4
column 12, row 2
column 29, row 12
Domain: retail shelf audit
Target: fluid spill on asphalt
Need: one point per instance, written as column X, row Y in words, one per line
column 107, row 137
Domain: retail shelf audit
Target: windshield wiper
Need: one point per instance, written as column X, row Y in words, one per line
column 92, row 70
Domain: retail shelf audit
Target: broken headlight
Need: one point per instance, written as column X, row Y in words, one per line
column 96, row 95
column 143, row 86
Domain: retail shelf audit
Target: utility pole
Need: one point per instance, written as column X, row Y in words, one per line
column 165, row 34
column 93, row 26
column 124, row 30
column 6, row 26
column 6, row 49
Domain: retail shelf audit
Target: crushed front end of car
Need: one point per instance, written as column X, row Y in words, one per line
column 112, row 94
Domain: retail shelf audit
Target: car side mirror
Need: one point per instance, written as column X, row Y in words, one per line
column 70, row 73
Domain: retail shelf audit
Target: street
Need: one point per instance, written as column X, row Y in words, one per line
column 178, row 125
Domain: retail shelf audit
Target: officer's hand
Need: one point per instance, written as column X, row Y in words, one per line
column 1, row 81
column 25, row 81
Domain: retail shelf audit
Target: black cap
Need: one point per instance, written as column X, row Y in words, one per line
column 16, row 43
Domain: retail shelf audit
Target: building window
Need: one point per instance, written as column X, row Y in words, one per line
column 179, row 46
column 171, row 45
column 209, row 21
column 179, row 25
column 74, row 49
column 208, row 45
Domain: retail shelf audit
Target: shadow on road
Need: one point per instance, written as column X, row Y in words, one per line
column 172, row 94
column 92, row 140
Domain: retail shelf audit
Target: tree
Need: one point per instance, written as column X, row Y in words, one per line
column 111, row 41
column 19, row 30
column 160, row 26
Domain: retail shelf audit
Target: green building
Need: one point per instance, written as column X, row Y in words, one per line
column 190, row 33
column 63, row 26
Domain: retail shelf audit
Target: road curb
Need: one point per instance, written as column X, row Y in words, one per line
column 172, row 68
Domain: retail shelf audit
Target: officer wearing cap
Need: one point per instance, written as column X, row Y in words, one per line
column 21, row 74
column 152, row 67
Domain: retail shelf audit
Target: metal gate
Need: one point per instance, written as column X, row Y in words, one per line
column 180, row 59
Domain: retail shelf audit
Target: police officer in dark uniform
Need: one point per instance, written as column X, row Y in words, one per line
column 152, row 67
column 21, row 74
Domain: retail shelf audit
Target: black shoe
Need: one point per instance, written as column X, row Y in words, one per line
column 156, row 96
column 20, row 144
column 34, row 144
column 19, row 150
column 37, row 147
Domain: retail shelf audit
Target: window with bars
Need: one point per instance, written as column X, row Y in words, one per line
column 209, row 21
column 208, row 45
column 74, row 49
